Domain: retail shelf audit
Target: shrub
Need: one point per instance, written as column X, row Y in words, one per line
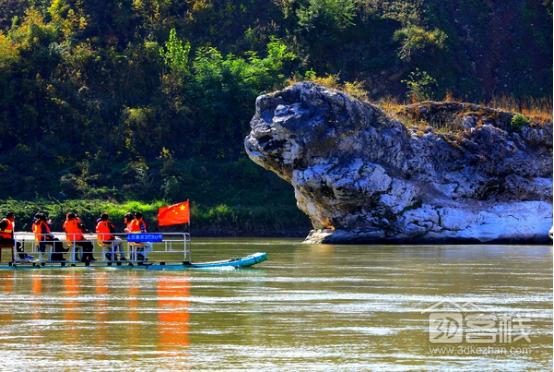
column 326, row 14
column 8, row 51
column 518, row 121
column 333, row 81
column 420, row 86
column 176, row 53
column 414, row 40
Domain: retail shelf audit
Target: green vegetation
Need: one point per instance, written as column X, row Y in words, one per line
column 420, row 86
column 221, row 219
column 518, row 121
column 150, row 100
column 416, row 40
column 328, row 15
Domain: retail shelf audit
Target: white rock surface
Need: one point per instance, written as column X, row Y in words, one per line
column 363, row 177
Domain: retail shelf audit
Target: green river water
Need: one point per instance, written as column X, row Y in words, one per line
column 310, row 307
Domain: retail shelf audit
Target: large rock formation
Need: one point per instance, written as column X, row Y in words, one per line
column 364, row 176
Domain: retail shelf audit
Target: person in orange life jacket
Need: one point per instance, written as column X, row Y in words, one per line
column 127, row 219
column 7, row 228
column 74, row 234
column 105, row 235
column 41, row 231
column 138, row 225
column 44, row 237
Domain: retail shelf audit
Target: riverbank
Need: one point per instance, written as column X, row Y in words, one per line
column 269, row 219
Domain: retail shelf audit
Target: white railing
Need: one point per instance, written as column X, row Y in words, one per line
column 56, row 248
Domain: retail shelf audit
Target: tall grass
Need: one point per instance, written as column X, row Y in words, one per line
column 536, row 109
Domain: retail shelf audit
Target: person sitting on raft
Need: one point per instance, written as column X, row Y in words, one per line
column 105, row 230
column 7, row 228
column 43, row 236
column 137, row 226
column 127, row 219
column 74, row 230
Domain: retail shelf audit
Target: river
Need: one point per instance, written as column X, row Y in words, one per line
column 310, row 307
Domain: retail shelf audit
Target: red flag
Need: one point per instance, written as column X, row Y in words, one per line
column 175, row 214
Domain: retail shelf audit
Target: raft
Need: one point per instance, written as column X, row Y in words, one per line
column 172, row 251
column 233, row 263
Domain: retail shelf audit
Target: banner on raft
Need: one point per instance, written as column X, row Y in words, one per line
column 144, row 238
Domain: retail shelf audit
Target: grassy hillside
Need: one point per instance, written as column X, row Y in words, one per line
column 150, row 100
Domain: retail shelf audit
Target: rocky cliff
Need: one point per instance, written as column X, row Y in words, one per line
column 434, row 172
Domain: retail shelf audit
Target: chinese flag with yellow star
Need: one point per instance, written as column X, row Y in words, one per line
column 175, row 214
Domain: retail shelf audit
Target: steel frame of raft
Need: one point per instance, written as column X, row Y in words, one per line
column 182, row 240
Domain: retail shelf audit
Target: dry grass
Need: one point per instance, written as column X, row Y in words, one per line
column 390, row 105
column 536, row 109
column 539, row 111
column 354, row 88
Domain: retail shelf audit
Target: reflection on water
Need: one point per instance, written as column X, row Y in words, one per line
column 101, row 307
column 36, row 280
column 173, row 315
column 130, row 308
column 6, row 281
column 70, row 312
column 319, row 306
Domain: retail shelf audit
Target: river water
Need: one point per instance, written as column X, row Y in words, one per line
column 310, row 307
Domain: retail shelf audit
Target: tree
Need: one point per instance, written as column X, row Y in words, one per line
column 175, row 53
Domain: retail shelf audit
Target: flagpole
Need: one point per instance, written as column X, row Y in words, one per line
column 188, row 222
column 188, row 226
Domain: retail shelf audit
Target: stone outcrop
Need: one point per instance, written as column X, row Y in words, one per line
column 434, row 172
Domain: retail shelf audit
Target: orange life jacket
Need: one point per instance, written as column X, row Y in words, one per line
column 7, row 233
column 72, row 230
column 103, row 232
column 38, row 228
column 135, row 226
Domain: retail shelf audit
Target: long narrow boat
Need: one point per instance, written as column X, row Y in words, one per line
column 234, row 263
column 240, row 262
column 166, row 251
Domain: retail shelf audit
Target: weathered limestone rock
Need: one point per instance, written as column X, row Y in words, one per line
column 362, row 176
